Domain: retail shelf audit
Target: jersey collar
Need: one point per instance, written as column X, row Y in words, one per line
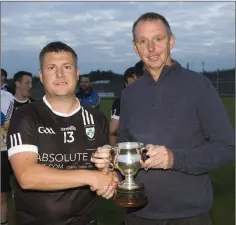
column 21, row 101
column 60, row 113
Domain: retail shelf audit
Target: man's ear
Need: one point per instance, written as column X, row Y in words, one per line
column 78, row 73
column 172, row 41
column 17, row 83
column 40, row 76
column 135, row 47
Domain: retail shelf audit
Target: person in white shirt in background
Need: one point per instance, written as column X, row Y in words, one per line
column 4, row 85
column 7, row 104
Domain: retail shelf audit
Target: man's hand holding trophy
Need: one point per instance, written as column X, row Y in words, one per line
column 128, row 158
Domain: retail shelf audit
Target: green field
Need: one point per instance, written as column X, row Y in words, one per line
column 223, row 179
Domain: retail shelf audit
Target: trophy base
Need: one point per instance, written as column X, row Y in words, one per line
column 130, row 198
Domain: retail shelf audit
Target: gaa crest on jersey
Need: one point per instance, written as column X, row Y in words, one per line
column 90, row 131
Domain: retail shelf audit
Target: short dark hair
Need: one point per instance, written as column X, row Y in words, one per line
column 149, row 16
column 85, row 76
column 139, row 66
column 3, row 73
column 19, row 75
column 139, row 69
column 129, row 73
column 57, row 47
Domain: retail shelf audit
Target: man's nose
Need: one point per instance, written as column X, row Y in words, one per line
column 150, row 46
column 60, row 73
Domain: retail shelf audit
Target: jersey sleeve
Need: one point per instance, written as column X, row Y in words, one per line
column 115, row 109
column 22, row 133
column 10, row 111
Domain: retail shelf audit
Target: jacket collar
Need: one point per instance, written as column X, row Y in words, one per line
column 164, row 73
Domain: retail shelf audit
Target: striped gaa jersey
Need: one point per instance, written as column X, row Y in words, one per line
column 62, row 141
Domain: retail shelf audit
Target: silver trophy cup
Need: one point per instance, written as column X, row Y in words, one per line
column 128, row 158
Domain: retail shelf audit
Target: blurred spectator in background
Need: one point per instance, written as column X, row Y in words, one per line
column 4, row 86
column 130, row 76
column 86, row 94
column 140, row 66
column 7, row 102
column 23, row 84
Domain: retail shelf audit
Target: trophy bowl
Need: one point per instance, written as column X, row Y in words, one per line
column 128, row 158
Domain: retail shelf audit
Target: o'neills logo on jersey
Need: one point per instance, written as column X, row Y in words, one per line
column 46, row 130
column 88, row 124
column 70, row 128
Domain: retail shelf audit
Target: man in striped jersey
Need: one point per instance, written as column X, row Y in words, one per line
column 50, row 144
column 7, row 104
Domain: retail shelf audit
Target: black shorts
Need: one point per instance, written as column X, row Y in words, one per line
column 5, row 172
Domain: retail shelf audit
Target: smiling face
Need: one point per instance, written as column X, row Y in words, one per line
column 153, row 44
column 59, row 74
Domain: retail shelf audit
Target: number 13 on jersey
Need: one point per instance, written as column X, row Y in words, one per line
column 69, row 137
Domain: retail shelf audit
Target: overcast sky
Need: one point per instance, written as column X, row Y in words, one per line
column 100, row 33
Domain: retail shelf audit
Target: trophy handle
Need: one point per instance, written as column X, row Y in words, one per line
column 114, row 154
column 144, row 154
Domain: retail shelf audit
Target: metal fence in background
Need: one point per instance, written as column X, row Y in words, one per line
column 223, row 81
column 226, row 88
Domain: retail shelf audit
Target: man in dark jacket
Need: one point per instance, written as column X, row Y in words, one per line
column 179, row 116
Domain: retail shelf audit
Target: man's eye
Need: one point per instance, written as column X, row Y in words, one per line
column 67, row 67
column 142, row 41
column 157, row 39
column 50, row 68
